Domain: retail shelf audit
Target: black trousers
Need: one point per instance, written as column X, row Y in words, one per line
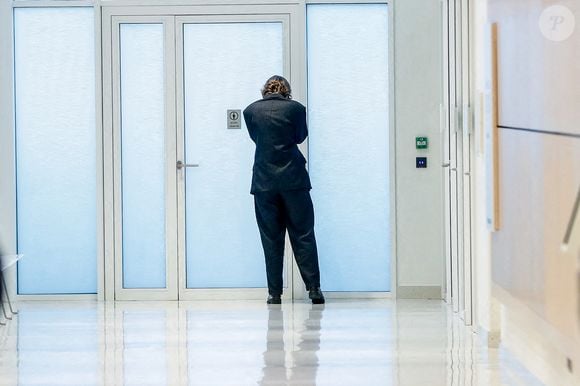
column 292, row 210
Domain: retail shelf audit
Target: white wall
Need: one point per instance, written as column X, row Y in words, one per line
column 418, row 74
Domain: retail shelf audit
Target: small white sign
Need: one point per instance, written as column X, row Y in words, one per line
column 234, row 119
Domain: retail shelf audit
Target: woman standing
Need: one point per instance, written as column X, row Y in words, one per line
column 281, row 186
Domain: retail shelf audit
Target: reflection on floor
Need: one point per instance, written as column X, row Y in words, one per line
column 358, row 343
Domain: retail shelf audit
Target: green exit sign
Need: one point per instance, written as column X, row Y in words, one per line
column 422, row 142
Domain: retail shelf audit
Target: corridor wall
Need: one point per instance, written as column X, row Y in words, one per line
column 534, row 278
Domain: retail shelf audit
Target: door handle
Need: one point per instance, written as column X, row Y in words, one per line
column 181, row 165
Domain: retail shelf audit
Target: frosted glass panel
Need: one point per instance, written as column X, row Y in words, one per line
column 225, row 66
column 143, row 155
column 56, row 150
column 349, row 143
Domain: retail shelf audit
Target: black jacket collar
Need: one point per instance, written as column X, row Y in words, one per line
column 274, row 96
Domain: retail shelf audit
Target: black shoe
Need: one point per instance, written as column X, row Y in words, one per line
column 315, row 294
column 274, row 299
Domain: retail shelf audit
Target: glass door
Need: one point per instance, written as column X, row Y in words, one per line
column 179, row 221
column 222, row 62
column 143, row 154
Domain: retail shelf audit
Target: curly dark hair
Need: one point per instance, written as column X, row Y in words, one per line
column 277, row 85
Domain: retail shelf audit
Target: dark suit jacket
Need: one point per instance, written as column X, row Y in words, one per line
column 277, row 125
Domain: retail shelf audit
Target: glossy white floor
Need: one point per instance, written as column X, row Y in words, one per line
column 358, row 343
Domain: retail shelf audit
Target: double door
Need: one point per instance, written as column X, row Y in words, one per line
column 178, row 163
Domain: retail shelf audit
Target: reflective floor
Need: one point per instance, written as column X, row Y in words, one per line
column 358, row 343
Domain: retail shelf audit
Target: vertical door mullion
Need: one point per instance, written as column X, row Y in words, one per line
column 116, row 155
column 170, row 160
column 293, row 70
column 108, row 153
column 180, row 155
column 467, row 139
column 458, row 304
column 445, row 121
column 459, row 156
column 298, row 75
column 453, row 154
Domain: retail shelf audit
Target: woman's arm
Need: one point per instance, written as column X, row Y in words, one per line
column 249, row 125
column 301, row 126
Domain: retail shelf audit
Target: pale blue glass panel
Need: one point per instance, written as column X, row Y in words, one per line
column 225, row 66
column 56, row 150
column 349, row 143
column 143, row 155
column 145, row 347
